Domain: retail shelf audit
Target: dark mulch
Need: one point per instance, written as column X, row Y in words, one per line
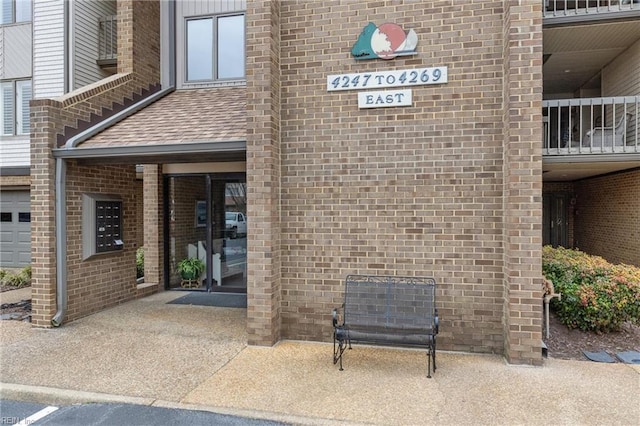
column 565, row 343
column 19, row 311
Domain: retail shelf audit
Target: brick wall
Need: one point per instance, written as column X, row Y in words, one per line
column 413, row 190
column 185, row 191
column 264, row 172
column 153, row 226
column 522, row 228
column 107, row 279
column 13, row 181
column 100, row 284
column 607, row 217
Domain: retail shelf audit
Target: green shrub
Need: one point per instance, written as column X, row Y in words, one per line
column 596, row 295
column 19, row 279
column 140, row 262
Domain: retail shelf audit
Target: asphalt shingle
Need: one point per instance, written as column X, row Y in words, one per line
column 183, row 116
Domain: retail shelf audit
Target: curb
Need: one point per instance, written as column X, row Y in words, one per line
column 46, row 395
column 57, row 396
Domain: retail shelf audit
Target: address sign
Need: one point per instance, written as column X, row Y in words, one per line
column 384, row 79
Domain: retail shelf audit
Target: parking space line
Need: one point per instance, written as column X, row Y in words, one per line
column 37, row 416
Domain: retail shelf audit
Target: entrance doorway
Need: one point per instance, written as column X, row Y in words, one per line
column 555, row 220
column 205, row 219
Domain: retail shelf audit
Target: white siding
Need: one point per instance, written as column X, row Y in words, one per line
column 15, row 51
column 85, row 40
column 190, row 8
column 48, row 48
column 14, row 151
column 622, row 78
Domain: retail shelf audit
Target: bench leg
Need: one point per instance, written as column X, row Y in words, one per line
column 338, row 349
column 431, row 356
column 434, row 354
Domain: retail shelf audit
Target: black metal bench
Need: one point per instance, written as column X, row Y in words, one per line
column 385, row 310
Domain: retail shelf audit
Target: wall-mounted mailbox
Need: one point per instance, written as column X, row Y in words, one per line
column 101, row 224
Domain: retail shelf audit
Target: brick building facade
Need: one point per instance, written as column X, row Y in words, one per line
column 449, row 186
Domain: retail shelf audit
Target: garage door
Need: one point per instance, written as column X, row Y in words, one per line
column 15, row 229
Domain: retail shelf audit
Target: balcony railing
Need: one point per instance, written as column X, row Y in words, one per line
column 554, row 8
column 591, row 126
column 107, row 40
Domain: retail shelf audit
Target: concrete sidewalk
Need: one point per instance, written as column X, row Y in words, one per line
column 149, row 352
column 14, row 296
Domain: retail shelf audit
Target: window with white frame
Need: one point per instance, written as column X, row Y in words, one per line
column 14, row 11
column 215, row 48
column 14, row 107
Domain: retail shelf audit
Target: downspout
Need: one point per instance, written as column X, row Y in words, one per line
column 61, row 196
column 61, row 173
column 61, row 242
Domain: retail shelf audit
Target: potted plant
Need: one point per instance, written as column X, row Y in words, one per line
column 190, row 268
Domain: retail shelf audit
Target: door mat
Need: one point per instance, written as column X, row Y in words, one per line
column 629, row 357
column 222, row 300
column 600, row 356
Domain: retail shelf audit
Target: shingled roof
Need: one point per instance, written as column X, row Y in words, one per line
column 182, row 117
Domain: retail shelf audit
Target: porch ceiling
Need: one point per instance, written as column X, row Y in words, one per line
column 560, row 169
column 577, row 53
column 184, row 126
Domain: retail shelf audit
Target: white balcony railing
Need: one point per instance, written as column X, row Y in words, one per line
column 554, row 8
column 591, row 125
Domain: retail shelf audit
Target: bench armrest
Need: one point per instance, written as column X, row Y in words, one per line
column 436, row 321
column 335, row 317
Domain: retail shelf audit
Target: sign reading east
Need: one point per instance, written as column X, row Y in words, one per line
column 385, row 79
column 384, row 98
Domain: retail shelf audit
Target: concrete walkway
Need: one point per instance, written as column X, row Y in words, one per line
column 14, row 296
column 150, row 352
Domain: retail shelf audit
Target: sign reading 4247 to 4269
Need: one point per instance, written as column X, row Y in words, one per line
column 382, row 79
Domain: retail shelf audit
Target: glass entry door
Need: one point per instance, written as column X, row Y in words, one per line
column 206, row 224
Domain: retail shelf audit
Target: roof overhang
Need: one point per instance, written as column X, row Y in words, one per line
column 184, row 126
column 162, row 152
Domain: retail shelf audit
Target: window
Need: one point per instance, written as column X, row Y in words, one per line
column 15, row 11
column 6, row 217
column 14, row 107
column 215, row 48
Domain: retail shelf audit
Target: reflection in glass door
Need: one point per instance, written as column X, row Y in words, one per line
column 234, row 259
column 206, row 226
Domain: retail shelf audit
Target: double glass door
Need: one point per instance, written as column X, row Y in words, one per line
column 206, row 225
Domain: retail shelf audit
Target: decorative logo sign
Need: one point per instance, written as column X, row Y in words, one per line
column 385, row 42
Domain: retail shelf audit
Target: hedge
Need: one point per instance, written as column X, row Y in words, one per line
column 596, row 295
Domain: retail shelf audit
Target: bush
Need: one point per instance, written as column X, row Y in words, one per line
column 19, row 279
column 140, row 262
column 596, row 295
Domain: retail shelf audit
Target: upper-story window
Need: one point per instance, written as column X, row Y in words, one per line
column 15, row 11
column 215, row 48
column 14, row 107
